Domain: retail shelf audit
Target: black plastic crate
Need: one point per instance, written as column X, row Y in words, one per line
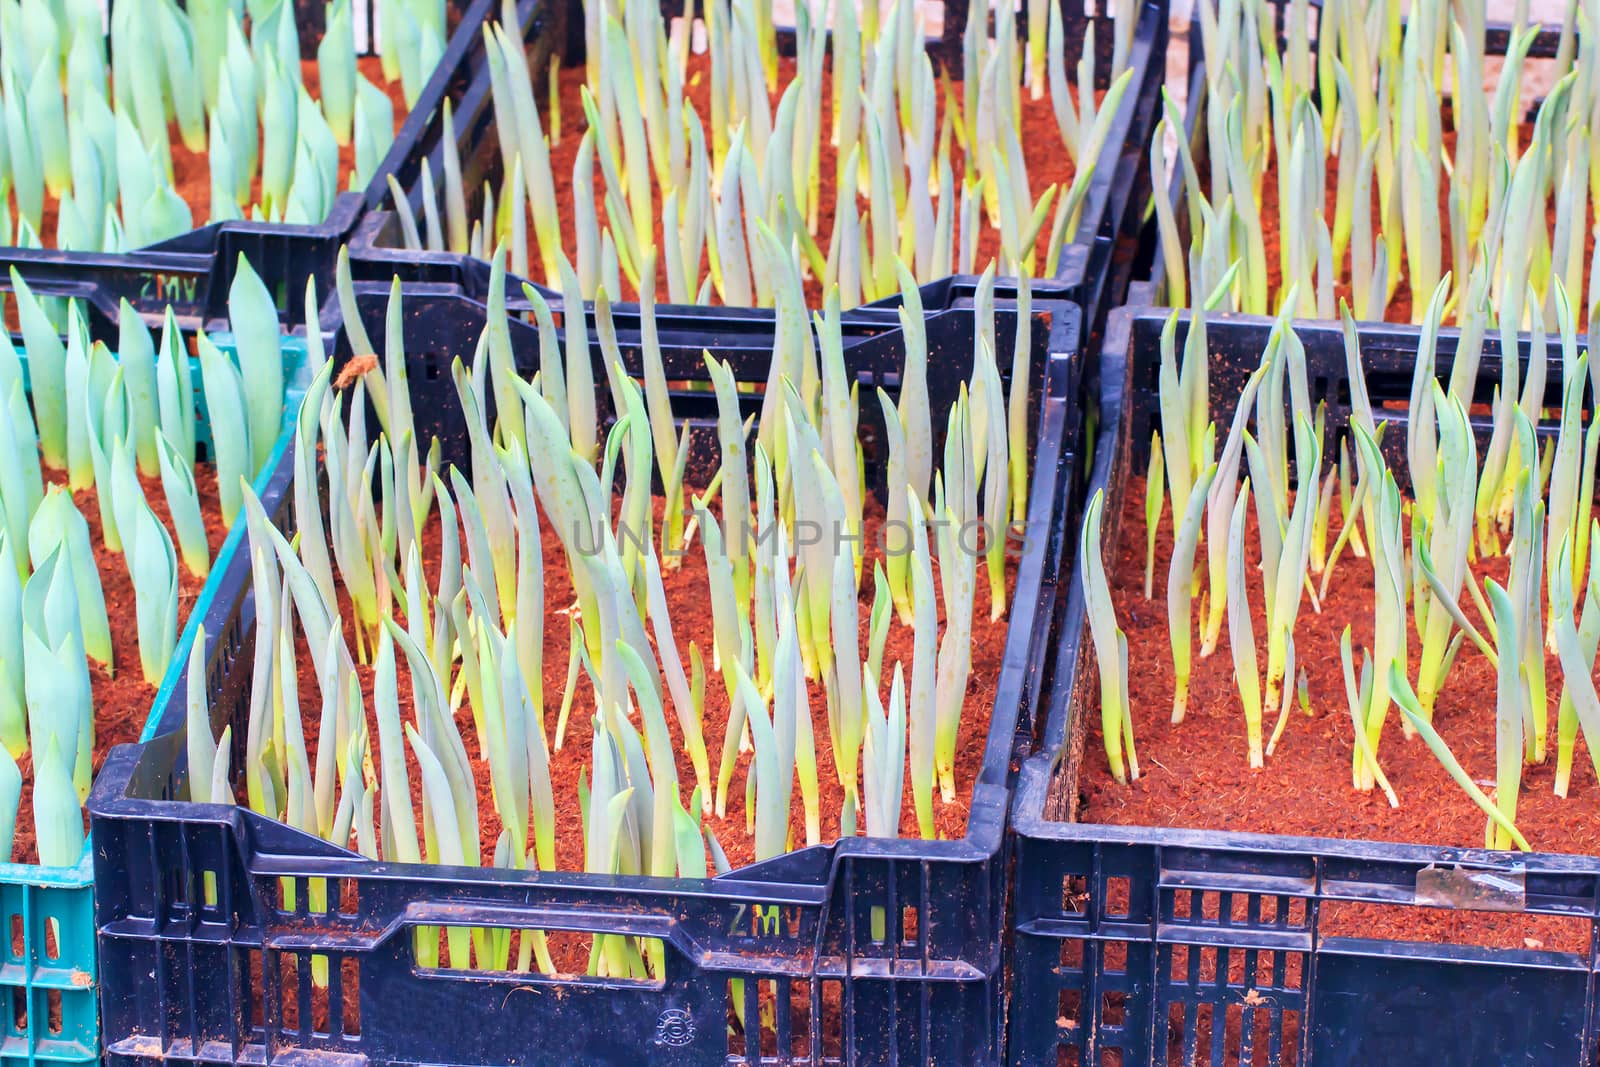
column 1093, row 271
column 1149, row 269
column 1496, row 37
column 183, row 976
column 1145, row 946
column 179, row 271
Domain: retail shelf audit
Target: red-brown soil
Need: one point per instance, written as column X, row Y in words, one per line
column 687, row 590
column 1046, row 157
column 1400, row 307
column 122, row 697
column 191, row 171
column 1196, row 774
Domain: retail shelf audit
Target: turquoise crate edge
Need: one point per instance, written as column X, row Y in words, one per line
column 296, row 351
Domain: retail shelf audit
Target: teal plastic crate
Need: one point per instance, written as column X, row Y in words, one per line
column 47, row 967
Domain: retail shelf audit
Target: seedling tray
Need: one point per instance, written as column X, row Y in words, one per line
column 1093, row 271
column 1132, row 943
column 205, row 977
column 49, row 981
column 1149, row 270
column 192, row 271
column 1496, row 37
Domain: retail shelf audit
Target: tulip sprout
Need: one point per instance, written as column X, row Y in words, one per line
column 1369, row 112
column 1111, row 649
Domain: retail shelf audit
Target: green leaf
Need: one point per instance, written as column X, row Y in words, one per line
column 181, row 80
column 454, row 200
column 164, row 215
column 663, row 772
column 56, row 674
column 300, row 812
column 13, row 694
column 57, row 813
column 374, row 131
column 230, row 428
column 83, row 403
column 153, row 565
column 20, row 482
column 396, row 411
column 183, row 504
column 923, row 670
column 59, row 525
column 336, row 70
column 771, row 775
column 47, row 122
column 238, row 105
column 1180, row 589
column 885, row 756
column 1407, row 702
column 10, row 799
column 175, row 390
column 47, row 358
column 254, row 319
column 733, row 641
column 27, row 175
column 316, row 169
column 203, row 752
column 399, row 822
column 436, row 790
column 136, row 353
column 279, row 120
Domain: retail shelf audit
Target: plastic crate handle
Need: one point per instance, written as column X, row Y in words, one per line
column 596, row 922
column 46, row 281
column 510, row 917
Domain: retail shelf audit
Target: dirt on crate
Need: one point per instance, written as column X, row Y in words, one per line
column 122, row 697
column 1195, row 775
column 191, row 171
column 1043, row 151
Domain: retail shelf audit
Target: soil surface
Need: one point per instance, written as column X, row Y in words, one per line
column 122, row 697
column 687, row 590
column 1047, row 161
column 1196, row 774
column 191, row 171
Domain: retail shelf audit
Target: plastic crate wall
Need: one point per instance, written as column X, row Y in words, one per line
column 1144, row 946
column 1094, row 267
column 225, row 978
column 48, row 979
